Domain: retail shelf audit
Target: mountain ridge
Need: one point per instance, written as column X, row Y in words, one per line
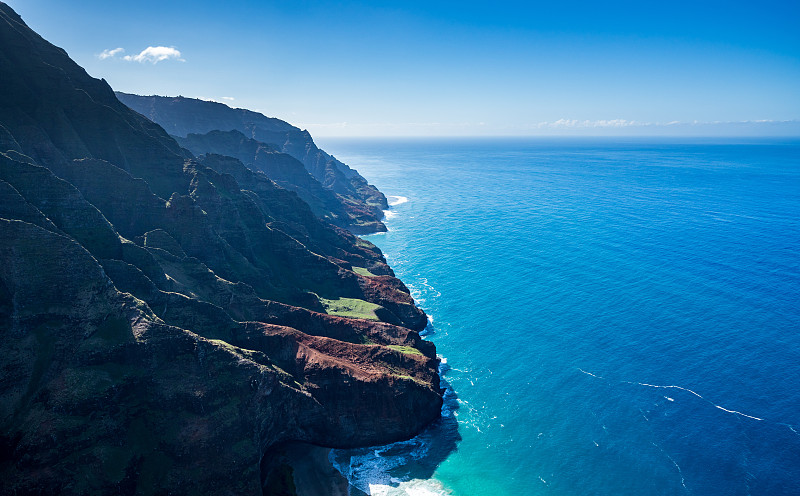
column 182, row 117
column 289, row 173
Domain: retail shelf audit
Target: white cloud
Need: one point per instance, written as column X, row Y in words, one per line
column 228, row 98
column 109, row 53
column 156, row 54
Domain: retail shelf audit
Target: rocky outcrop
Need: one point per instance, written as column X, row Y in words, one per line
column 181, row 116
column 163, row 319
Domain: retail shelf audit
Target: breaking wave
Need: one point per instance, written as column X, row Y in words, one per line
column 397, row 200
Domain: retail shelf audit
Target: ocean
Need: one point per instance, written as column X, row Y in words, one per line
column 615, row 317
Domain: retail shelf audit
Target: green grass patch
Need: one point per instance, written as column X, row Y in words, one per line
column 363, row 243
column 363, row 272
column 405, row 349
column 350, row 307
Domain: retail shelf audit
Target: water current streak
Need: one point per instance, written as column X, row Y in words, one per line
column 736, row 412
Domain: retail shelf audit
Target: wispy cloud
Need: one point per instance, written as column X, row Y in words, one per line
column 110, row 53
column 152, row 54
column 155, row 54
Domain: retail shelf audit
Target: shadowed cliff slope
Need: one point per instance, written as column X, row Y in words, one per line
column 289, row 173
column 180, row 116
column 165, row 322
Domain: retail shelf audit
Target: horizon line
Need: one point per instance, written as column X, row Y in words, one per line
column 567, row 136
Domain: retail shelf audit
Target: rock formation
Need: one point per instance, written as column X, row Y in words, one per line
column 165, row 321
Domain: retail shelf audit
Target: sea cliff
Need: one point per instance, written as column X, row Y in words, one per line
column 168, row 319
column 284, row 152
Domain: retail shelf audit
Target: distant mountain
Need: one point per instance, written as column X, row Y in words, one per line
column 167, row 323
column 362, row 202
column 289, row 173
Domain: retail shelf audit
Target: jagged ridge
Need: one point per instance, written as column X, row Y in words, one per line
column 362, row 203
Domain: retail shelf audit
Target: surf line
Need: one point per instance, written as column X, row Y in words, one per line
column 694, row 393
column 397, row 200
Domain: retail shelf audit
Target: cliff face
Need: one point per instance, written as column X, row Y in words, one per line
column 289, row 173
column 361, row 202
column 166, row 321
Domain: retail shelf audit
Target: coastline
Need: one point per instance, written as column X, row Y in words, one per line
column 407, row 466
column 662, row 264
column 317, row 470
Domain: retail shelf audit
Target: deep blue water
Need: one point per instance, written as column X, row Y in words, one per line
column 618, row 318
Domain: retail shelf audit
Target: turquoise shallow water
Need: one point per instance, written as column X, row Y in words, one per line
column 617, row 317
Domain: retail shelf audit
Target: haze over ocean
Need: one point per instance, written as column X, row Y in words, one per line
column 618, row 317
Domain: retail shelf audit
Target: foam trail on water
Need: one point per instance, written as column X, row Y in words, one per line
column 678, row 467
column 682, row 389
column 397, row 200
column 589, row 373
column 699, row 396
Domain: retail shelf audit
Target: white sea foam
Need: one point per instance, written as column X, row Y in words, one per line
column 397, row 200
column 389, row 214
column 371, row 471
column 414, row 487
column 379, row 490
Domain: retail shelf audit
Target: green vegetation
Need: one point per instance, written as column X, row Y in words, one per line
column 403, row 375
column 363, row 243
column 350, row 307
column 405, row 349
column 363, row 272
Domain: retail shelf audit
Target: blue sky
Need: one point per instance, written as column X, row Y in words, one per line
column 453, row 68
